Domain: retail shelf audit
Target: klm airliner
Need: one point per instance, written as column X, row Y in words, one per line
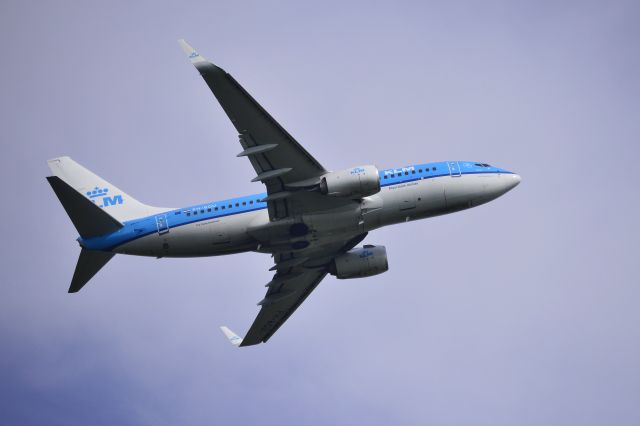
column 310, row 220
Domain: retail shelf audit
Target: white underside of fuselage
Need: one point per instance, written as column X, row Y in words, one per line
column 398, row 203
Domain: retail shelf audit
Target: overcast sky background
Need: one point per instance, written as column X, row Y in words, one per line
column 520, row 312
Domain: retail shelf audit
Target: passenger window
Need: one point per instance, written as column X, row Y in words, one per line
column 223, row 207
column 393, row 175
column 251, row 202
column 433, row 168
column 419, row 170
column 385, row 176
column 202, row 211
column 195, row 212
column 237, row 204
column 216, row 209
column 406, row 173
column 244, row 203
column 230, row 205
column 209, row 209
column 188, row 213
column 413, row 172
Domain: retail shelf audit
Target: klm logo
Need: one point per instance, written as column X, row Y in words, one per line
column 102, row 194
column 357, row 170
column 194, row 54
column 112, row 201
column 366, row 254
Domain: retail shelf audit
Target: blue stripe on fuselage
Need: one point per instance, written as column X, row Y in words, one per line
column 426, row 171
column 138, row 228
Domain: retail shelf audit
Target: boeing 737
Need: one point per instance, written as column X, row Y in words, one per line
column 310, row 220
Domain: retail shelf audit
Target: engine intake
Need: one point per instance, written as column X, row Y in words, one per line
column 357, row 182
column 360, row 262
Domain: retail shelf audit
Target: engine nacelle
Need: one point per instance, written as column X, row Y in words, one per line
column 357, row 182
column 360, row 262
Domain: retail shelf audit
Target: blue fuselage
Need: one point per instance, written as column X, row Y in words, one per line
column 223, row 227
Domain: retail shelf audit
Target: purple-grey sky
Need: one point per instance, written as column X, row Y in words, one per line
column 520, row 312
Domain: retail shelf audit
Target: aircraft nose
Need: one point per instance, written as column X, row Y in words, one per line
column 513, row 181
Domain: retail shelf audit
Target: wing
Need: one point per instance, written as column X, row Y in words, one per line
column 278, row 159
column 298, row 275
column 283, row 297
column 288, row 171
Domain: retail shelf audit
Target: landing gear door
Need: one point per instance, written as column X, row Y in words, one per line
column 161, row 222
column 454, row 168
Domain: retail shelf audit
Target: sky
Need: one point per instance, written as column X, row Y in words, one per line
column 522, row 311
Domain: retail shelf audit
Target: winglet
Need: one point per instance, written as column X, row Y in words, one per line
column 194, row 56
column 233, row 337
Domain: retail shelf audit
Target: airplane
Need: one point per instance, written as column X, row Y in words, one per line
column 310, row 220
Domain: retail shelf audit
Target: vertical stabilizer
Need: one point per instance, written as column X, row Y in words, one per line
column 89, row 263
column 89, row 220
column 103, row 194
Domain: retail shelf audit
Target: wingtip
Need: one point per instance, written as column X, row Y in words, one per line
column 234, row 339
column 193, row 55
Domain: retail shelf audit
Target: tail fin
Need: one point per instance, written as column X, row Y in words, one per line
column 89, row 219
column 116, row 203
column 89, row 263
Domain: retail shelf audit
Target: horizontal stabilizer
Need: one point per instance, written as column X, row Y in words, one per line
column 89, row 263
column 89, row 219
column 233, row 337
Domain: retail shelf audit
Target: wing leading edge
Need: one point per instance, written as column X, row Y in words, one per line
column 279, row 161
column 267, row 144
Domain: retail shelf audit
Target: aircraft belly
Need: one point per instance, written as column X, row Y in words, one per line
column 148, row 245
column 414, row 200
column 431, row 200
column 336, row 222
column 466, row 191
column 209, row 237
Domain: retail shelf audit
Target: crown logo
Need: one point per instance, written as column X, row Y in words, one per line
column 97, row 192
column 366, row 253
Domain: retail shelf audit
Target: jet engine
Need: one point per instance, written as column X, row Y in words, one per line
column 357, row 182
column 360, row 262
